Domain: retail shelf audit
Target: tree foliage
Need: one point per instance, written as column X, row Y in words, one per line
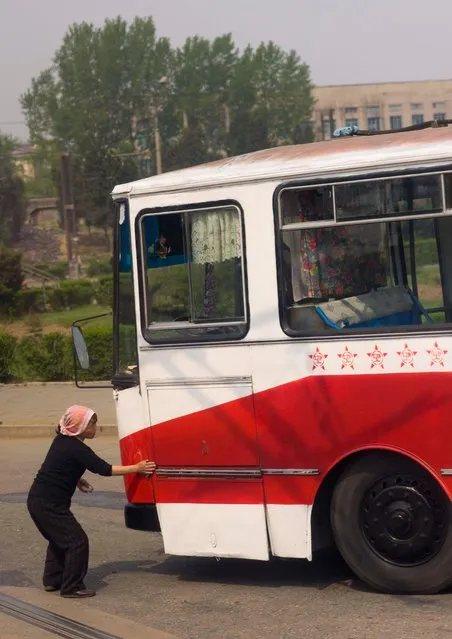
column 109, row 85
column 12, row 200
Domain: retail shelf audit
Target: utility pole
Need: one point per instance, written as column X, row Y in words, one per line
column 67, row 200
column 156, row 107
column 158, row 142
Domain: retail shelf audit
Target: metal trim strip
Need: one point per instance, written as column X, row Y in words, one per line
column 233, row 473
column 291, row 471
column 200, row 381
column 166, row 473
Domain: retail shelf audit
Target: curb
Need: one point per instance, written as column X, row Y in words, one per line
column 28, row 431
column 54, row 384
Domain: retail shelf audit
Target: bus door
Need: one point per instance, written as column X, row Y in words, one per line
column 197, row 375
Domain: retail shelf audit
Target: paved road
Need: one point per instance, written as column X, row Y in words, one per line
column 200, row 598
column 43, row 404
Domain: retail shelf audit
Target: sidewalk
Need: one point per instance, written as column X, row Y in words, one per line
column 40, row 616
column 33, row 410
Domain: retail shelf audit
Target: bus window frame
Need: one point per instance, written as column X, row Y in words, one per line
column 192, row 339
column 332, row 334
column 120, row 380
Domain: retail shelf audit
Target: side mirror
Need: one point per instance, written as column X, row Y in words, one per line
column 80, row 347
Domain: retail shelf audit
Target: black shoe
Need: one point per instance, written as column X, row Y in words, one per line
column 79, row 594
column 51, row 588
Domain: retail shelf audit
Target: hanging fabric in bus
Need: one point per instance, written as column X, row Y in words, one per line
column 215, row 236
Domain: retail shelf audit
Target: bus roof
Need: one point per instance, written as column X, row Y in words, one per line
column 344, row 155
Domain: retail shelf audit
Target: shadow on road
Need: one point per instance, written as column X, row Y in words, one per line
column 326, row 570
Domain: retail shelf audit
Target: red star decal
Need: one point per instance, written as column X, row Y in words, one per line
column 377, row 357
column 407, row 356
column 318, row 359
column 437, row 355
column 348, row 359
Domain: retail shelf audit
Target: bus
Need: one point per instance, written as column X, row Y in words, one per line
column 283, row 351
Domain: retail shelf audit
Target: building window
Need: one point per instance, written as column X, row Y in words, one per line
column 396, row 122
column 373, row 111
column 373, row 124
column 417, row 106
column 351, row 122
column 417, row 118
column 193, row 269
column 350, row 110
column 439, row 105
column 439, row 116
column 394, row 108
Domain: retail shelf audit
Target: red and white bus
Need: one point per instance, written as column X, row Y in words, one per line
column 283, row 350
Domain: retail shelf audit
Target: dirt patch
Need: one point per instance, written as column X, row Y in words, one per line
column 21, row 329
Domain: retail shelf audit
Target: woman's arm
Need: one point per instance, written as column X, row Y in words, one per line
column 142, row 468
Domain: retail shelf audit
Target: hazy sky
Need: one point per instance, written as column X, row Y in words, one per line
column 346, row 41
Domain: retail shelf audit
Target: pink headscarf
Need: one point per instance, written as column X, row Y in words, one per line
column 75, row 420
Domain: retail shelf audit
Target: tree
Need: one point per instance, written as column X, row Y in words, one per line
column 12, row 200
column 109, row 86
column 272, row 100
column 101, row 80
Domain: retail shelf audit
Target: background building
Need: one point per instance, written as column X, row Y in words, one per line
column 389, row 105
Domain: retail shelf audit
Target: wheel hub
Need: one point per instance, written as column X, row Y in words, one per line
column 403, row 519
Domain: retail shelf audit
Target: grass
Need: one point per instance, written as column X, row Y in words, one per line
column 57, row 321
column 66, row 318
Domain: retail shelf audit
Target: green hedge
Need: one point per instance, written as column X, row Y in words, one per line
column 49, row 358
column 46, row 358
column 7, row 348
column 58, row 269
column 69, row 295
column 99, row 267
column 100, row 348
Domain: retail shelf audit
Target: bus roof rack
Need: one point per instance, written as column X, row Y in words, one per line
column 350, row 131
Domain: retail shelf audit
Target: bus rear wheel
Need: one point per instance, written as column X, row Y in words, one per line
column 392, row 523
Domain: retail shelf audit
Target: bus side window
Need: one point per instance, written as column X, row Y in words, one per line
column 357, row 274
column 194, row 279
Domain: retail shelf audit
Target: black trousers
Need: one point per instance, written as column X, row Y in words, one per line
column 68, row 551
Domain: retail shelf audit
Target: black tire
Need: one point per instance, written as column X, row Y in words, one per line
column 392, row 523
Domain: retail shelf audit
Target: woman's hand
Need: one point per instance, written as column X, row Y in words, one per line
column 84, row 486
column 146, row 468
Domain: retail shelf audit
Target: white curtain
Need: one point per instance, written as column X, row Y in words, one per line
column 215, row 236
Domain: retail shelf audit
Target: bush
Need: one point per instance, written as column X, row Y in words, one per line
column 7, row 348
column 104, row 291
column 43, row 358
column 70, row 294
column 31, row 300
column 49, row 358
column 58, row 269
column 7, row 302
column 100, row 348
column 11, row 276
column 99, row 267
column 15, row 304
